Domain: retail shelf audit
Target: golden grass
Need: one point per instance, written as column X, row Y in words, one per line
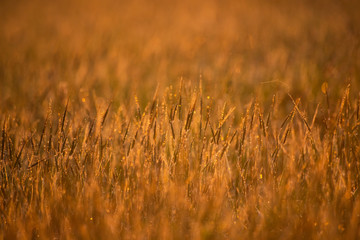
column 179, row 120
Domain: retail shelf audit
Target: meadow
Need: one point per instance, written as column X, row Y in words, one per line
column 179, row 119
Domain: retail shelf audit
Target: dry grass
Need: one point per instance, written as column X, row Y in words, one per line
column 179, row 120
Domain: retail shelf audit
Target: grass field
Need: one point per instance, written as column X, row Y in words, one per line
column 179, row 119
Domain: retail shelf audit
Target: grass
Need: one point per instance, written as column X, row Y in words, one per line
column 216, row 120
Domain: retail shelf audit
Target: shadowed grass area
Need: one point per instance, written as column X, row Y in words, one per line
column 183, row 119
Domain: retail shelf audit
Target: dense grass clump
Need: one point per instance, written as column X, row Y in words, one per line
column 180, row 168
column 189, row 120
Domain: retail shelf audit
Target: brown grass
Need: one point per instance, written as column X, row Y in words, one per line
column 179, row 120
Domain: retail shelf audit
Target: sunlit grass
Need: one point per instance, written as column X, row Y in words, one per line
column 184, row 120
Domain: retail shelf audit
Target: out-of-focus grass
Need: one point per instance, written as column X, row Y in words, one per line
column 179, row 119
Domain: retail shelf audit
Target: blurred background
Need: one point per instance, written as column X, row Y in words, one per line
column 116, row 49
